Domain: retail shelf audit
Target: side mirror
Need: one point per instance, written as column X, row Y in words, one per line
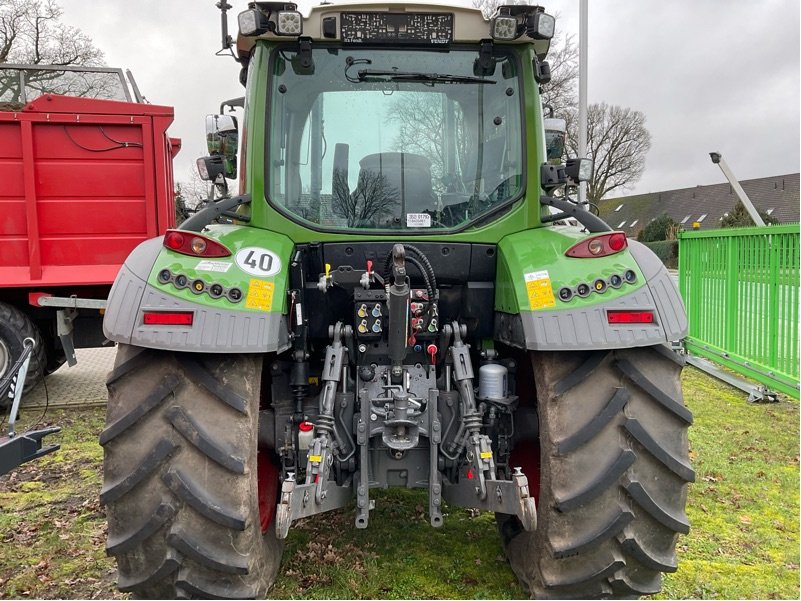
column 222, row 139
column 555, row 136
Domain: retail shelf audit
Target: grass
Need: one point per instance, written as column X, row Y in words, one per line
column 744, row 511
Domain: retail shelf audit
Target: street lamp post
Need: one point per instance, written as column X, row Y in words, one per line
column 582, row 110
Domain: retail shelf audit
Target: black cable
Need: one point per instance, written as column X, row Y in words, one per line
column 110, row 148
column 120, row 142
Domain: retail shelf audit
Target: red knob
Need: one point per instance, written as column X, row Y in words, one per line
column 431, row 349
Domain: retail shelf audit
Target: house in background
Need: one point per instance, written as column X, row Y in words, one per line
column 777, row 196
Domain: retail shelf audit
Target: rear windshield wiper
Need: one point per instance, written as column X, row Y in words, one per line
column 375, row 75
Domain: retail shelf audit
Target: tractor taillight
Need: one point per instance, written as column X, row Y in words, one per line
column 598, row 246
column 194, row 245
column 618, row 317
column 171, row 318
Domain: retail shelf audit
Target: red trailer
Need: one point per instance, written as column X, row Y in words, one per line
column 82, row 182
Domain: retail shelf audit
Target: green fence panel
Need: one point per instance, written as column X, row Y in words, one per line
column 740, row 287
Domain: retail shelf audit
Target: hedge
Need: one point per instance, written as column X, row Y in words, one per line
column 667, row 251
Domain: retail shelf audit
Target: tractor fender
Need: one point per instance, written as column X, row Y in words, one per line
column 122, row 307
column 214, row 329
column 669, row 304
column 586, row 327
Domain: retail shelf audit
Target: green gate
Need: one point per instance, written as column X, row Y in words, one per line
column 740, row 287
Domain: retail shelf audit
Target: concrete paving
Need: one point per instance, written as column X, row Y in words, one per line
column 80, row 386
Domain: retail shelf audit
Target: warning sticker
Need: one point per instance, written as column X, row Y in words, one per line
column 260, row 295
column 418, row 220
column 217, row 266
column 539, row 289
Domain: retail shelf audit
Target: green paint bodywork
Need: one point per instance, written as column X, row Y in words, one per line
column 234, row 237
column 524, row 244
column 543, row 249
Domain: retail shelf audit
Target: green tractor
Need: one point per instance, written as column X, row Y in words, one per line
column 404, row 295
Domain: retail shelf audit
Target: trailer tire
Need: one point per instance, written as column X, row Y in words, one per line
column 614, row 473
column 189, row 497
column 15, row 327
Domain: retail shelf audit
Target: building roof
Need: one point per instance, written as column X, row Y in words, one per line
column 777, row 195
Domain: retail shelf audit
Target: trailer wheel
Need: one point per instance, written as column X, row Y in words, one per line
column 185, row 486
column 614, row 472
column 15, row 327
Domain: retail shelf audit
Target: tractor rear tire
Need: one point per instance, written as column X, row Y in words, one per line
column 15, row 327
column 182, row 477
column 614, row 473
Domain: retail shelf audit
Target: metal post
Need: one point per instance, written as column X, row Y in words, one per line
column 717, row 158
column 582, row 111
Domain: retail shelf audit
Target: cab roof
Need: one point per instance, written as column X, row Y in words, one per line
column 469, row 24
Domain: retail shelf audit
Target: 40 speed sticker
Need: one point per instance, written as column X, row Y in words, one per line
column 258, row 261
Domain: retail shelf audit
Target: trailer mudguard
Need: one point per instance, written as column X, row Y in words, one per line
column 248, row 317
column 531, row 314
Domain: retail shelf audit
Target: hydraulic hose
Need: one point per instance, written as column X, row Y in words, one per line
column 419, row 254
column 419, row 260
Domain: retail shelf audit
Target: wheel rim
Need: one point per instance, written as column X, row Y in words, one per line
column 268, row 488
column 4, row 358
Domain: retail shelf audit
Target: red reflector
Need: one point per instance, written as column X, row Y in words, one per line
column 630, row 316
column 169, row 319
column 173, row 240
column 469, row 474
column 306, row 426
column 617, row 241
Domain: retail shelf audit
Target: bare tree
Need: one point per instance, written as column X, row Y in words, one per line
column 617, row 139
column 488, row 7
column 370, row 201
column 31, row 33
column 192, row 191
column 561, row 92
column 617, row 142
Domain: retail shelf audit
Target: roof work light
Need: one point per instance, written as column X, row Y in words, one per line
column 253, row 22
column 540, row 26
column 504, row 28
column 289, row 22
column 511, row 21
column 278, row 18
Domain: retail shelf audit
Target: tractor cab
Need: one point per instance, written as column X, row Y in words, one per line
column 417, row 119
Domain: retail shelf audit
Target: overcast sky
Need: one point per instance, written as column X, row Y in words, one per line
column 710, row 75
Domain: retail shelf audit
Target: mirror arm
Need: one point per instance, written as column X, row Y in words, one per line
column 204, row 217
column 554, row 217
column 585, row 218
